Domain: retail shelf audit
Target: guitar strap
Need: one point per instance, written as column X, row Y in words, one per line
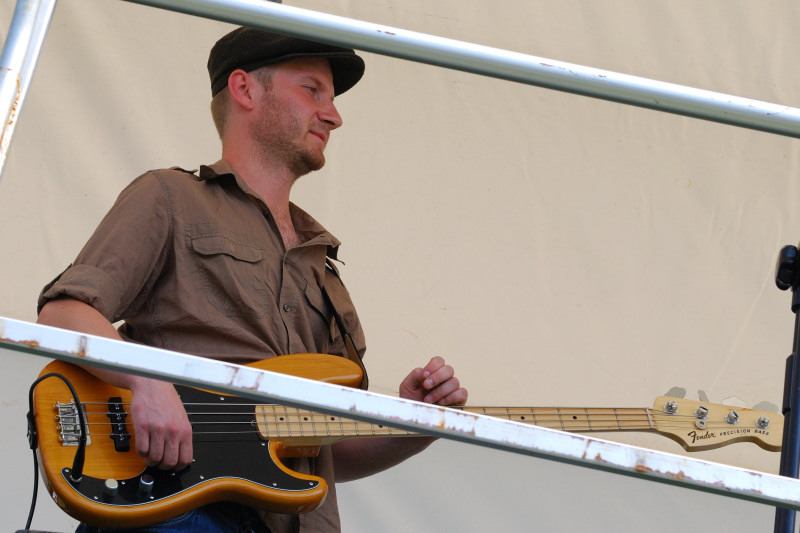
column 352, row 353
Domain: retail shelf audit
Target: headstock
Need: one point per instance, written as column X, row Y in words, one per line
column 698, row 425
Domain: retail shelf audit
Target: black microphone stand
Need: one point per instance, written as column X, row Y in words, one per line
column 787, row 275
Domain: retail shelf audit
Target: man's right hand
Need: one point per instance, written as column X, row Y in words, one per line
column 160, row 424
column 161, row 427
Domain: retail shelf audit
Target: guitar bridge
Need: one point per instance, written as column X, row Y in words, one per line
column 69, row 426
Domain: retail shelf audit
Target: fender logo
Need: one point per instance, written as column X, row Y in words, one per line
column 695, row 436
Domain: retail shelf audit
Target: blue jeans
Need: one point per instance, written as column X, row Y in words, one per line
column 215, row 518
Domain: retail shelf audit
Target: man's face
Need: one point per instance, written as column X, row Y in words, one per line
column 297, row 114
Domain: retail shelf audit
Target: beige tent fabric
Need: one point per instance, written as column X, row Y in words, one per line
column 557, row 250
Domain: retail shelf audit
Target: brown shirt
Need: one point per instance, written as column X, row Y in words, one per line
column 196, row 264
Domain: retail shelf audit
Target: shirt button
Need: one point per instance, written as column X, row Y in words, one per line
column 287, row 307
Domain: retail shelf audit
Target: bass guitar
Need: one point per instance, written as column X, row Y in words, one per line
column 239, row 443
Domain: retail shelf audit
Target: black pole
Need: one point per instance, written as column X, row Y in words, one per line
column 788, row 276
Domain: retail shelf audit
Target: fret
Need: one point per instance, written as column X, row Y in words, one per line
column 295, row 429
column 328, row 419
column 268, row 423
column 327, row 426
column 573, row 420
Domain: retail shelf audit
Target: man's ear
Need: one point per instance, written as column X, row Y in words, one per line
column 240, row 87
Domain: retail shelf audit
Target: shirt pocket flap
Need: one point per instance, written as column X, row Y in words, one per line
column 218, row 244
column 314, row 296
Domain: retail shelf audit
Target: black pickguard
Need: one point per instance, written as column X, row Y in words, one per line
column 228, row 447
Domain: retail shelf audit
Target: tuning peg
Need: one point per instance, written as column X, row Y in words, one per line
column 671, row 407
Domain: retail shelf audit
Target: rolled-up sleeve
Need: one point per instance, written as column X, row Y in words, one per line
column 122, row 259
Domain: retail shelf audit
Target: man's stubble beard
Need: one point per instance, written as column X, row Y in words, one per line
column 279, row 135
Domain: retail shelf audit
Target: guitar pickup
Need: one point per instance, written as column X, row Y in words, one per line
column 119, row 429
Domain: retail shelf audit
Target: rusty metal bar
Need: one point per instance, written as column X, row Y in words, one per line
column 451, row 424
column 493, row 62
column 20, row 54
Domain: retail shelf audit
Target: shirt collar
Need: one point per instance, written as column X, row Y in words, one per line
column 304, row 224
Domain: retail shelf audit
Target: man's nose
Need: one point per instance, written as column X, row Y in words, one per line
column 330, row 115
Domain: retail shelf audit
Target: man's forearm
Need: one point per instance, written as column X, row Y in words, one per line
column 362, row 457
column 68, row 313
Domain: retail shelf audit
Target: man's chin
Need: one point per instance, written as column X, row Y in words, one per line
column 309, row 164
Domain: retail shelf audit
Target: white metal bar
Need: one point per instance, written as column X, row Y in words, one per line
column 447, row 423
column 497, row 63
column 20, row 54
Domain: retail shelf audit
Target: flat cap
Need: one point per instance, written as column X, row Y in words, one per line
column 250, row 48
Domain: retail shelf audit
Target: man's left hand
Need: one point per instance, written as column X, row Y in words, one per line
column 435, row 383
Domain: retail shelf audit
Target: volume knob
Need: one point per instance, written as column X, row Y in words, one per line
column 110, row 489
column 145, row 485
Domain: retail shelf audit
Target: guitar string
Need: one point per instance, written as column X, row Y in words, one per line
column 567, row 415
column 567, row 420
column 495, row 412
column 529, row 415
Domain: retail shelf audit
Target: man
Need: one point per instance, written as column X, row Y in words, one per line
column 221, row 264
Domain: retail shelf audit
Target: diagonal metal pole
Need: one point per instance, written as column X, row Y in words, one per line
column 21, row 50
column 447, row 423
column 497, row 63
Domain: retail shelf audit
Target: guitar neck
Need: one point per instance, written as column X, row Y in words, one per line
column 298, row 427
column 695, row 425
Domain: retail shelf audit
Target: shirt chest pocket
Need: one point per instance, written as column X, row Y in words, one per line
column 232, row 274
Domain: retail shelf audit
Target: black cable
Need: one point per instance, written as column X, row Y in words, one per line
column 35, row 490
column 33, row 441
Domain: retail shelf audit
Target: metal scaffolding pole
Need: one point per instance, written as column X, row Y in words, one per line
column 496, row 63
column 18, row 62
column 404, row 414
